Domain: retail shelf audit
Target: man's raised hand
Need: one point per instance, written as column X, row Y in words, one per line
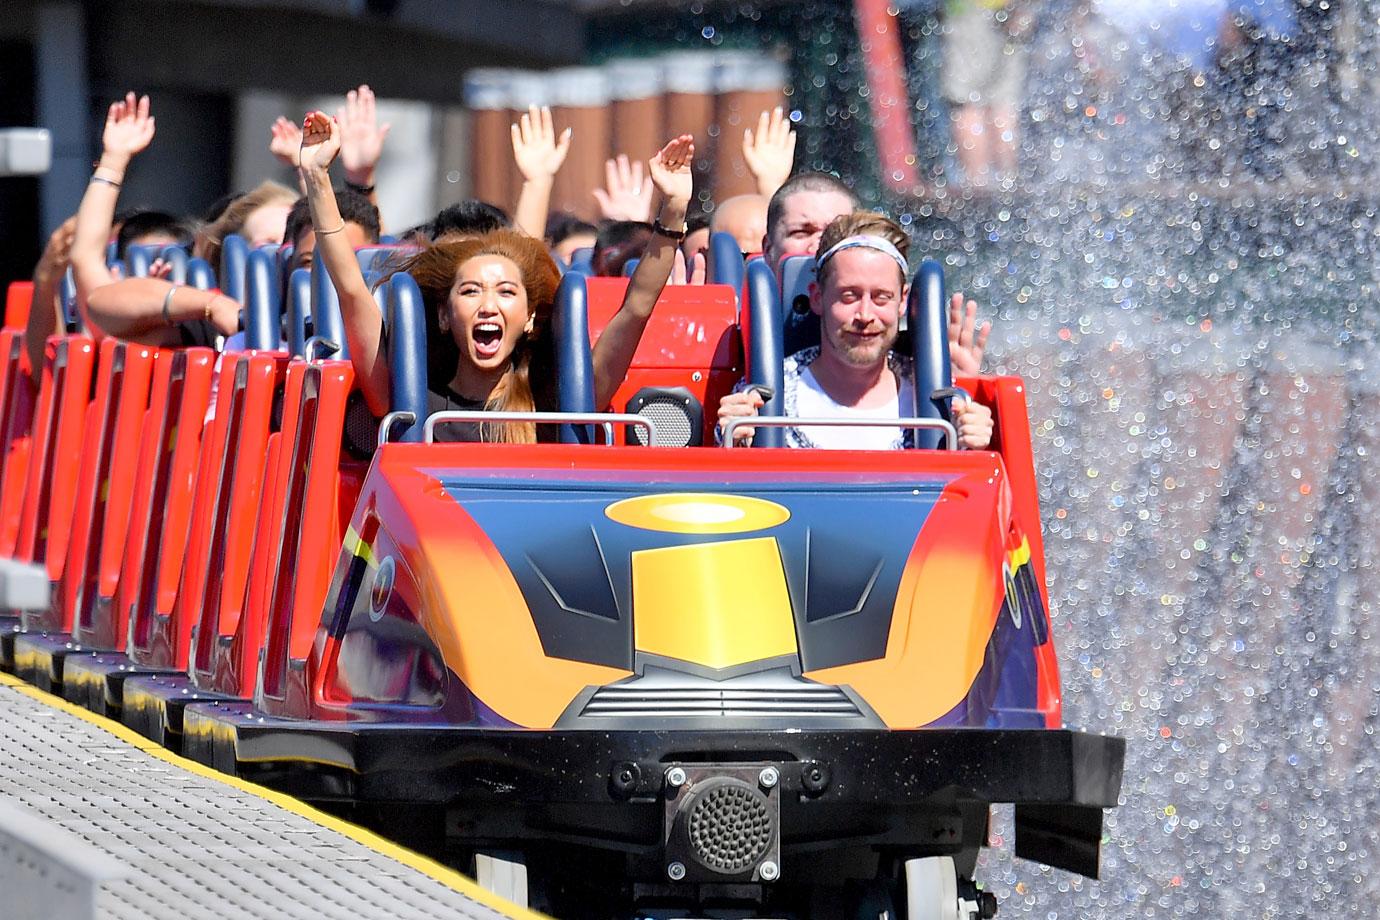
column 770, row 152
column 538, row 152
column 670, row 169
column 628, row 195
column 320, row 141
column 967, row 340
column 361, row 136
column 286, row 142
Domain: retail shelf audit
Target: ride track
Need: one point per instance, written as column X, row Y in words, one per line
column 784, row 682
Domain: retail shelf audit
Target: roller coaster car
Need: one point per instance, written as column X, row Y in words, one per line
column 786, row 682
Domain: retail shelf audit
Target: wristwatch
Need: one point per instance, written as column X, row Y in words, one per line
column 659, row 227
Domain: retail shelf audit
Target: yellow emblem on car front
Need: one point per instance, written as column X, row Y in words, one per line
column 697, row 513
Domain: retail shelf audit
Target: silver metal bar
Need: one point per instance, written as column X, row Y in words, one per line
column 326, row 346
column 391, row 419
column 607, row 419
column 782, row 421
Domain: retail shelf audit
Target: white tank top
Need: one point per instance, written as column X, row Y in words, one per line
column 812, row 402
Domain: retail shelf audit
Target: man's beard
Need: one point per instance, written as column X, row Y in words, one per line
column 856, row 353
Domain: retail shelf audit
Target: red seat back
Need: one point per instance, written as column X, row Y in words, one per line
column 17, row 398
column 230, row 484
column 691, row 341
column 17, row 300
column 100, row 510
column 64, row 394
column 310, row 529
column 160, row 509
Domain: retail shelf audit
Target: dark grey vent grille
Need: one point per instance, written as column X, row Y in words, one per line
column 799, row 701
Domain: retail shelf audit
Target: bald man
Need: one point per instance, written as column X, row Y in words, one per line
column 745, row 218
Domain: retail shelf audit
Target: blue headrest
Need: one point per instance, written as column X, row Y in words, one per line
column 629, row 267
column 71, row 318
column 234, row 259
column 262, row 303
column 327, row 322
column 582, row 261
column 175, row 256
column 373, row 257
column 800, row 326
column 762, row 337
column 138, row 258
column 406, row 317
column 200, row 274
column 929, row 334
column 725, row 262
column 574, row 363
column 388, row 238
column 299, row 311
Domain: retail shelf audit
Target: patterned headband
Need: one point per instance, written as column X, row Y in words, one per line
column 863, row 242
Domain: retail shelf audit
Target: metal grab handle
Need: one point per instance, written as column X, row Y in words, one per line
column 390, row 420
column 607, row 419
column 784, row 421
column 317, row 347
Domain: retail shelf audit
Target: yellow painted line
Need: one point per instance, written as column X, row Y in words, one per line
column 447, row 876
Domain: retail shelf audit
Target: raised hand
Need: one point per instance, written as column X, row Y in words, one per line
column 537, row 150
column 967, row 340
column 128, row 128
column 670, row 169
column 160, row 269
column 361, row 136
column 320, row 141
column 58, row 252
column 770, row 152
column 628, row 195
column 691, row 273
column 286, row 143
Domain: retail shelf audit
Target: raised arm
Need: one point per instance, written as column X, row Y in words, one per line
column 128, row 130
column 45, row 308
column 363, row 324
column 361, row 140
column 770, row 153
column 614, row 351
column 539, row 155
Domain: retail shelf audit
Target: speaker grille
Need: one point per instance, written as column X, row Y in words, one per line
column 674, row 410
column 674, row 427
column 730, row 826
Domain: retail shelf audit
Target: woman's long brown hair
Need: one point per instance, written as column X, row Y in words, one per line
column 435, row 268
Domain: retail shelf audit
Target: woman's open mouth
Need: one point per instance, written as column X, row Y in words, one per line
column 488, row 339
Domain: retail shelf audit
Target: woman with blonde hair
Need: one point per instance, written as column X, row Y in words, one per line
column 489, row 302
column 259, row 215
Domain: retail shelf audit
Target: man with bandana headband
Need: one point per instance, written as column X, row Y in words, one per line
column 859, row 293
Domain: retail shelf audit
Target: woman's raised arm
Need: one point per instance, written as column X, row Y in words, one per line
column 613, row 353
column 128, row 130
column 363, row 324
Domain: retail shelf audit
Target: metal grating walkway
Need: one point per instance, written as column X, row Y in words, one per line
column 197, row 845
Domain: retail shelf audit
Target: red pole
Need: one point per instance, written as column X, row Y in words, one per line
column 880, row 39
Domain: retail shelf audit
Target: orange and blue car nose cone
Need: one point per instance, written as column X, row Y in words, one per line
column 701, row 579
